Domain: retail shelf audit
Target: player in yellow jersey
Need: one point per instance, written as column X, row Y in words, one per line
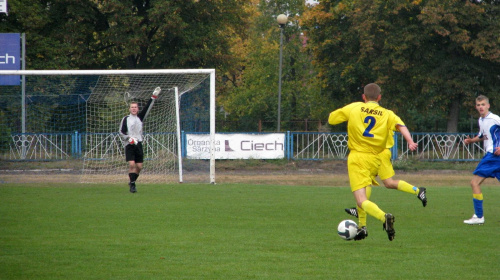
column 368, row 126
column 386, row 173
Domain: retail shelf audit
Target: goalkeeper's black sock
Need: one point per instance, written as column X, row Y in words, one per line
column 133, row 177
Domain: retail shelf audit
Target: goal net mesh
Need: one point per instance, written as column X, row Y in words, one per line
column 108, row 104
column 77, row 117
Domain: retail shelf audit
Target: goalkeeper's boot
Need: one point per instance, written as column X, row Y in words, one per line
column 362, row 234
column 475, row 220
column 389, row 226
column 132, row 187
column 352, row 211
column 422, row 195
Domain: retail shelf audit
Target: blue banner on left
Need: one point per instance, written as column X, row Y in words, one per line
column 10, row 57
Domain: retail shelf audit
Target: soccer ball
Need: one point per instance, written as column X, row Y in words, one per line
column 347, row 229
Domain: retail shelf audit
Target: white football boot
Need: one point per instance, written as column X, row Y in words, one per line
column 474, row 220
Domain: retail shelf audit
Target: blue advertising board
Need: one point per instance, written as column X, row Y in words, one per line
column 10, row 57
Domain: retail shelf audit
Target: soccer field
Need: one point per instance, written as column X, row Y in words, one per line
column 239, row 231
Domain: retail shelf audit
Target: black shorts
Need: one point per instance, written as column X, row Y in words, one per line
column 134, row 153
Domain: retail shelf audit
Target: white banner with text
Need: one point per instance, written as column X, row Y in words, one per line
column 236, row 146
column 3, row 7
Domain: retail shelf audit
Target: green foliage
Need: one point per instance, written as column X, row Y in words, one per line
column 430, row 57
column 5, row 138
column 256, row 96
column 237, row 231
column 426, row 55
column 91, row 34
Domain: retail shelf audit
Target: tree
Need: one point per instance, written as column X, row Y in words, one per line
column 430, row 57
column 53, row 36
column 126, row 34
column 129, row 34
column 255, row 97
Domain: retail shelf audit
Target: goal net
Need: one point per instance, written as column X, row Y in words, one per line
column 93, row 103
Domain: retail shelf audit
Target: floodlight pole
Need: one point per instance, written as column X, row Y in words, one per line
column 282, row 19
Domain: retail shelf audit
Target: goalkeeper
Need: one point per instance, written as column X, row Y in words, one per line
column 131, row 134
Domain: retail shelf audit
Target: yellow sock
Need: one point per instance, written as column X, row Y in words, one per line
column 361, row 212
column 478, row 196
column 373, row 210
column 405, row 187
column 361, row 217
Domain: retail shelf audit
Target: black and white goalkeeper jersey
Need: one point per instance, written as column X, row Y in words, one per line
column 131, row 126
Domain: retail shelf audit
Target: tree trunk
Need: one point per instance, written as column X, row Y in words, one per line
column 452, row 125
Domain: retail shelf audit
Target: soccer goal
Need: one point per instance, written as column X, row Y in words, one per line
column 103, row 97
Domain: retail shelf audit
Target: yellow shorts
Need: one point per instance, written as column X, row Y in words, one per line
column 385, row 170
column 362, row 169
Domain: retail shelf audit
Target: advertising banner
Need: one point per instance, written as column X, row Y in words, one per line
column 3, row 6
column 236, row 146
column 10, row 57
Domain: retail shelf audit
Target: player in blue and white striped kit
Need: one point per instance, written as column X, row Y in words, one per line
column 489, row 166
column 131, row 134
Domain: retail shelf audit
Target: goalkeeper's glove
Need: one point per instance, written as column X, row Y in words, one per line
column 156, row 93
column 132, row 141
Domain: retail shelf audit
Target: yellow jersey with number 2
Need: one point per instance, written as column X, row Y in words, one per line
column 368, row 125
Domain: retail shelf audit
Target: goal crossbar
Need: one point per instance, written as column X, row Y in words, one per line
column 107, row 72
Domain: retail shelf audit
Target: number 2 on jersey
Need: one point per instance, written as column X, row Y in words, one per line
column 371, row 123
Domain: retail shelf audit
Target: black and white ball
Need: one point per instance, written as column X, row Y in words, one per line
column 347, row 229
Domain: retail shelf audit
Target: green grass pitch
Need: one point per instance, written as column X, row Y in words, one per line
column 238, row 231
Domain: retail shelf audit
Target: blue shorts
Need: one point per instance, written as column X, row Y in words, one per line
column 488, row 167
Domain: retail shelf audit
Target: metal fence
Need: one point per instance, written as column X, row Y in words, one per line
column 316, row 146
column 63, row 146
column 42, row 147
column 441, row 147
column 431, row 147
column 299, row 146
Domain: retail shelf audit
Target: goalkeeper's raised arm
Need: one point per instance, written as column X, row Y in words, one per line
column 131, row 134
column 144, row 112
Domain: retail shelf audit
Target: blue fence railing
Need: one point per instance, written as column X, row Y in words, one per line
column 431, row 147
column 298, row 146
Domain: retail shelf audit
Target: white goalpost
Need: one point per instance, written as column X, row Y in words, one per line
column 186, row 103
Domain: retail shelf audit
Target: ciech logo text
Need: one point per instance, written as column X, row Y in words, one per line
column 249, row 145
